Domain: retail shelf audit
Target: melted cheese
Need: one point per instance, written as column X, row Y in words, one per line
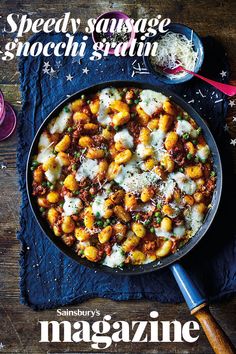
column 157, row 142
column 98, row 205
column 141, row 150
column 127, row 170
column 183, row 126
column 116, row 258
column 44, row 141
column 107, row 96
column 131, row 179
column 125, row 138
column 203, row 153
column 157, row 138
column 54, row 172
column 145, row 208
column 89, row 168
column 151, row 101
column 61, row 122
column 45, row 147
column 138, row 182
column 167, row 188
column 72, row 206
column 179, row 231
column 195, row 219
column 185, row 184
column 161, row 233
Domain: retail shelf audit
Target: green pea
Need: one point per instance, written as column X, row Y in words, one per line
column 97, row 215
column 158, row 206
column 70, row 129
column 137, row 216
column 212, row 174
column 35, row 163
column 88, row 101
column 74, row 166
column 67, row 109
column 185, row 136
column 107, row 222
column 32, row 168
column 42, row 210
column 99, row 223
column 181, row 169
column 147, row 222
column 136, row 101
column 189, row 156
column 82, row 97
column 158, row 214
column 179, row 117
column 158, row 220
column 152, row 229
column 196, row 159
column 194, row 142
column 116, row 128
column 49, row 184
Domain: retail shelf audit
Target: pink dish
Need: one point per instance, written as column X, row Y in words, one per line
column 117, row 15
column 8, row 124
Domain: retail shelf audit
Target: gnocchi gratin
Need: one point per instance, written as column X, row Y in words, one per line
column 123, row 176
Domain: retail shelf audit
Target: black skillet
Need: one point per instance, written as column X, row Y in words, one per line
column 195, row 300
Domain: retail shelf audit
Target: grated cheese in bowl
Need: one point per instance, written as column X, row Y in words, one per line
column 174, row 49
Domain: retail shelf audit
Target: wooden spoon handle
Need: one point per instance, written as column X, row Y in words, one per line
column 219, row 341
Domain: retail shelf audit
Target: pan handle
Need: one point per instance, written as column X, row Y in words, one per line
column 198, row 306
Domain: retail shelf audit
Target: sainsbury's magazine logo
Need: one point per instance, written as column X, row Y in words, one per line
column 102, row 333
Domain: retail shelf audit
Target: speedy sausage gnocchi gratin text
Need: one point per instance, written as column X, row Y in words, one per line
column 123, row 176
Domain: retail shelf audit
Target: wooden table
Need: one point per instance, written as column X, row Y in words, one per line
column 19, row 329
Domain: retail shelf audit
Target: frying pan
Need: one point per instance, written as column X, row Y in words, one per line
column 196, row 301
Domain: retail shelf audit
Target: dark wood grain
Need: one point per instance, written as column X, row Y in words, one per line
column 19, row 329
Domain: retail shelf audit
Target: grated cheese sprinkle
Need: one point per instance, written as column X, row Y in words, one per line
column 174, row 49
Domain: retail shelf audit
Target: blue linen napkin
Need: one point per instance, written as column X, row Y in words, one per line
column 47, row 277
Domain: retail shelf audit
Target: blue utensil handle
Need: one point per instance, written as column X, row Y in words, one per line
column 191, row 293
column 197, row 304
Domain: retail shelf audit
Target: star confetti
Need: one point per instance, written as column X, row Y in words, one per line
column 233, row 142
column 226, row 128
column 77, row 59
column 46, row 71
column 1, row 346
column 53, row 73
column 85, row 70
column 58, row 64
column 234, row 119
column 223, row 73
column 69, row 77
column 46, row 64
column 231, row 103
